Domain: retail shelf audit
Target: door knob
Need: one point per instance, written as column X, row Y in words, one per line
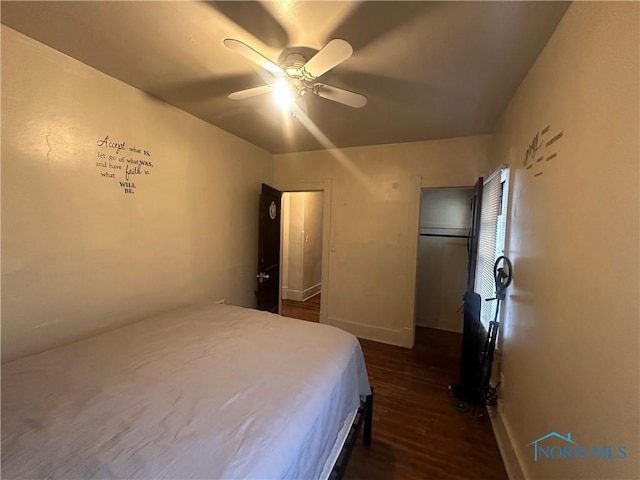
column 262, row 277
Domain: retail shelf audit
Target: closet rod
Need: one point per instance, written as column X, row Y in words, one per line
column 443, row 235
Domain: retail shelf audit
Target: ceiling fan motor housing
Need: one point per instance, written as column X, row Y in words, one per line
column 298, row 79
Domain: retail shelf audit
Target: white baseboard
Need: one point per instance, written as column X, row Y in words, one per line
column 301, row 295
column 292, row 294
column 311, row 292
column 399, row 337
column 512, row 463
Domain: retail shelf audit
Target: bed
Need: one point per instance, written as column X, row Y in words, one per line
column 211, row 391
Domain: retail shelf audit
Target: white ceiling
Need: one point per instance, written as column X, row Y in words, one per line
column 429, row 69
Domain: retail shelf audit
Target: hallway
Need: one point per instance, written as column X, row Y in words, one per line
column 309, row 310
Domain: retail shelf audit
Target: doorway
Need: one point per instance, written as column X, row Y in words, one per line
column 443, row 255
column 301, row 254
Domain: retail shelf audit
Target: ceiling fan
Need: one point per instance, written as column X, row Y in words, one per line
column 296, row 76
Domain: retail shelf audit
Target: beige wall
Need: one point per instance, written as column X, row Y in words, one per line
column 571, row 337
column 79, row 254
column 285, row 252
column 374, row 210
column 301, row 245
column 292, row 253
column 312, row 268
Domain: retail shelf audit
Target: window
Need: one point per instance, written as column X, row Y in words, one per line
column 491, row 239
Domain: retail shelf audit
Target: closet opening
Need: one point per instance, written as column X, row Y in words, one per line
column 301, row 255
column 443, row 256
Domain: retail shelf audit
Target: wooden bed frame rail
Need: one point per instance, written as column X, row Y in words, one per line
column 364, row 416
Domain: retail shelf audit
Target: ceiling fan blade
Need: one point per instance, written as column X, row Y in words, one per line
column 340, row 95
column 250, row 54
column 334, row 52
column 250, row 92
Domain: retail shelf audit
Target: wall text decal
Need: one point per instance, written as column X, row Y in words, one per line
column 539, row 142
column 123, row 167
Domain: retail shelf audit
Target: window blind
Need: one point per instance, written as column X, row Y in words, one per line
column 490, row 240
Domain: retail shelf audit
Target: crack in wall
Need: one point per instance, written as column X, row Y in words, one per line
column 46, row 137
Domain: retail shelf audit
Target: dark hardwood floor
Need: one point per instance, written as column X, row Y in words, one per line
column 417, row 432
column 309, row 310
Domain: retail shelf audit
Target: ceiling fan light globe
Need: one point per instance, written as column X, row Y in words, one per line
column 283, row 94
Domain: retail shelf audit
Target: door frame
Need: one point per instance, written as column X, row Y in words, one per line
column 421, row 187
column 323, row 186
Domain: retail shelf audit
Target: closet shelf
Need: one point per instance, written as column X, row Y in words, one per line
column 444, row 232
column 443, row 235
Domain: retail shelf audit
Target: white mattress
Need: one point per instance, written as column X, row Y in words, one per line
column 207, row 392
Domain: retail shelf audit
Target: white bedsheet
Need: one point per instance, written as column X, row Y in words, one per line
column 207, row 392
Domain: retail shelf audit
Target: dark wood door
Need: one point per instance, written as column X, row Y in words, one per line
column 268, row 276
column 472, row 245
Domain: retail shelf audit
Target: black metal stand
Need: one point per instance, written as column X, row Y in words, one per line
column 477, row 360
